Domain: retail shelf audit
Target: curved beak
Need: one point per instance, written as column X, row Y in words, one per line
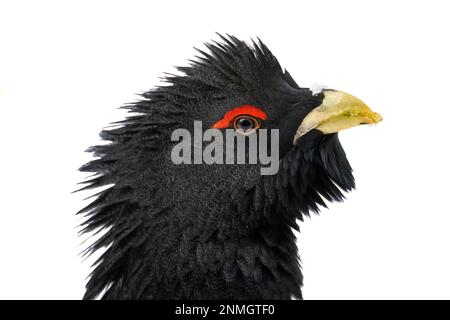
column 338, row 111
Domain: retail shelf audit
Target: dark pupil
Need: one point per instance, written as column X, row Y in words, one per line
column 245, row 124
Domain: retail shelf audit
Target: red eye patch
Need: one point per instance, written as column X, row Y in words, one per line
column 238, row 111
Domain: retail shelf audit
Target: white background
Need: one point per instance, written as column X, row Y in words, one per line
column 65, row 67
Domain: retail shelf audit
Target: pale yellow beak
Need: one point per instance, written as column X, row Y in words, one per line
column 338, row 111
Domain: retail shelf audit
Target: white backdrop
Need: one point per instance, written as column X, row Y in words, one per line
column 65, row 67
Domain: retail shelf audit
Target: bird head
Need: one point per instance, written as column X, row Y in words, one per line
column 154, row 205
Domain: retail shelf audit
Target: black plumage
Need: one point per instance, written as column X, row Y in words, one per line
column 208, row 231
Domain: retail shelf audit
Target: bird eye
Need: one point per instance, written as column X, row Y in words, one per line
column 246, row 124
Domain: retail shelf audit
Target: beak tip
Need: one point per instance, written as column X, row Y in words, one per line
column 377, row 117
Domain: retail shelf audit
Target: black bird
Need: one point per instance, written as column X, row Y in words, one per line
column 185, row 231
